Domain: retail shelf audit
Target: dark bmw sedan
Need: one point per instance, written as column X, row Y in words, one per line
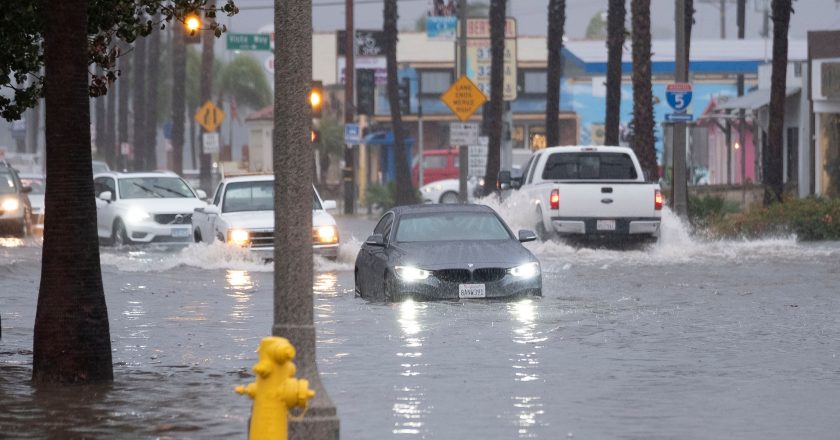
column 428, row 252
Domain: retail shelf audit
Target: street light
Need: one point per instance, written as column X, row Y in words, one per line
column 316, row 98
column 192, row 23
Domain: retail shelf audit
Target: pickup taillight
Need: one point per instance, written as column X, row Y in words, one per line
column 554, row 199
column 657, row 200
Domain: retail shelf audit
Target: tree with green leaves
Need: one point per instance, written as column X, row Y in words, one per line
column 72, row 338
column 774, row 164
column 556, row 21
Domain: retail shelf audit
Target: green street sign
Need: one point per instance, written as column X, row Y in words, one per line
column 249, row 42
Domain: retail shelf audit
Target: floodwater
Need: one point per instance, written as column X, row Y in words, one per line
column 687, row 339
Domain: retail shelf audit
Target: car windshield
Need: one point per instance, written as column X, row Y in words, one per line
column 589, row 166
column 450, row 226
column 37, row 184
column 154, row 188
column 254, row 196
column 7, row 182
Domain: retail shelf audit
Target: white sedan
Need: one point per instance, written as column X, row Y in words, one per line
column 152, row 207
column 242, row 214
column 446, row 191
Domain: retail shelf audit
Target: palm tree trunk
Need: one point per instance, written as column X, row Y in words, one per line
column 643, row 142
column 615, row 48
column 99, row 108
column 179, row 97
column 72, row 340
column 153, row 82
column 124, row 86
column 494, row 117
column 556, row 21
column 405, row 191
column 140, row 104
column 773, row 175
column 111, row 126
column 689, row 24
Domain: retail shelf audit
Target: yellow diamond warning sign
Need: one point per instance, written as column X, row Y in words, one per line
column 210, row 116
column 463, row 98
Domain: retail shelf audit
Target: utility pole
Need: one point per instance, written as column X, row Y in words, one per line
column 722, row 19
column 679, row 186
column 742, row 6
column 463, row 159
column 348, row 173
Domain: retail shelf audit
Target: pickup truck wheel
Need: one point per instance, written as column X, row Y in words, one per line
column 539, row 228
column 119, row 237
column 449, row 197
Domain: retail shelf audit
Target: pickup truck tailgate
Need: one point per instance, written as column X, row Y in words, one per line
column 607, row 200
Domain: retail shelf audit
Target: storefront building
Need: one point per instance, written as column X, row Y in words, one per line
column 824, row 58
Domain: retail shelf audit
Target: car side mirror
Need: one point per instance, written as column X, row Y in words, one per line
column 504, row 178
column 26, row 189
column 330, row 204
column 201, row 194
column 526, row 236
column 375, row 240
column 106, row 196
column 212, row 209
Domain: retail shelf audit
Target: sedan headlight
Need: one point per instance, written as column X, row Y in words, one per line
column 325, row 234
column 136, row 215
column 527, row 270
column 239, row 237
column 10, row 205
column 410, row 273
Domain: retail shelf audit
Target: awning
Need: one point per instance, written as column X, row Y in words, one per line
column 753, row 100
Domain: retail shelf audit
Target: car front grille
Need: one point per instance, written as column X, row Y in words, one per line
column 173, row 219
column 482, row 275
column 262, row 239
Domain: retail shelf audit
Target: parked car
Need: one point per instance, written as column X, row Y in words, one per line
column 148, row 207
column 591, row 192
column 445, row 252
column 38, row 183
column 447, row 190
column 437, row 165
column 242, row 214
column 15, row 208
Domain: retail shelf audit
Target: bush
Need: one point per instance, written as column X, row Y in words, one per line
column 705, row 210
column 813, row 218
column 381, row 196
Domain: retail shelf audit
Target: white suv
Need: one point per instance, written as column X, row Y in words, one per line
column 150, row 207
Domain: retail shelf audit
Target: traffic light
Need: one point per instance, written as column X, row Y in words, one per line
column 316, row 98
column 314, row 136
column 365, row 91
column 192, row 29
column 405, row 96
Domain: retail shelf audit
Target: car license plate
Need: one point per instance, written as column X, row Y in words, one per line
column 181, row 232
column 606, row 225
column 471, row 291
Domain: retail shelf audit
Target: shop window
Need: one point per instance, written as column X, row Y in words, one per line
column 518, row 136
column 435, row 82
column 536, row 137
column 829, row 139
column 534, row 82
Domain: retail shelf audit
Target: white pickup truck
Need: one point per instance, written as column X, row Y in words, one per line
column 589, row 192
column 242, row 214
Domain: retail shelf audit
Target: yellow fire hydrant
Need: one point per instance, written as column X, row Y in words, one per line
column 276, row 390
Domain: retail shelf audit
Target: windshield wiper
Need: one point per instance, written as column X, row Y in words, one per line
column 150, row 191
column 170, row 190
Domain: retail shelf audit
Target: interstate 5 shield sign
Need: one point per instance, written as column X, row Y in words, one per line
column 678, row 96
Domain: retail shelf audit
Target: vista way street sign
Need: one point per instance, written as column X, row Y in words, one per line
column 463, row 98
column 210, row 116
column 249, row 42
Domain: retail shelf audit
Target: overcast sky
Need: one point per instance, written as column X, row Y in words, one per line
column 531, row 16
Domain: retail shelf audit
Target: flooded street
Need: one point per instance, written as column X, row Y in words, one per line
column 689, row 340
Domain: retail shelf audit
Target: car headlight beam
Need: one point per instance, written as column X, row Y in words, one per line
column 10, row 205
column 239, row 237
column 410, row 273
column 527, row 270
column 136, row 215
column 325, row 234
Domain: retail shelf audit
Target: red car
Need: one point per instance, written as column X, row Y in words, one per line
column 437, row 165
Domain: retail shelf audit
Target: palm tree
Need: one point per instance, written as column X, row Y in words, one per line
column 556, row 20
column 99, row 109
column 179, row 96
column 773, row 180
column 405, row 192
column 207, row 70
column 643, row 142
column 139, row 104
column 153, row 82
column 124, row 85
column 243, row 78
column 111, row 127
column 72, row 340
column 494, row 116
column 615, row 47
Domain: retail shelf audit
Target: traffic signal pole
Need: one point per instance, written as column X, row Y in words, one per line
column 348, row 172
